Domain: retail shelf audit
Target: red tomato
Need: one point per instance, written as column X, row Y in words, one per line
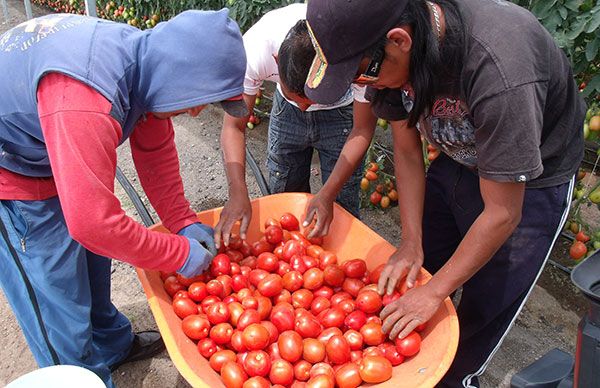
column 250, row 303
column 372, row 334
column 165, row 275
column 264, row 306
column 387, row 298
column 374, row 319
column 172, row 285
column 195, row 326
column 187, row 281
column 246, row 249
column 282, row 372
column 409, row 345
column 355, row 320
column 324, row 291
column 207, row 347
column 217, row 313
column 356, row 356
column 302, row 370
column 355, row 268
column 297, row 263
column 313, row 278
column 282, row 316
column 271, row 222
column 215, row 287
column 284, row 296
column 327, row 258
column 184, row 307
column 273, row 351
column 421, row 327
column 208, row 301
column 391, row 353
column 237, row 342
column 271, row 285
column 332, row 317
column 272, row 329
column 230, row 299
column 221, row 333
column 338, row 350
column 328, row 333
column 256, row 382
column 283, row 268
column 374, row 276
column 257, row 363
column 248, row 261
column 274, row 234
column 219, row 358
column 181, row 294
column 348, row 376
column 247, row 318
column 292, row 281
column 292, row 248
column 197, row 291
column 235, row 269
column 255, row 337
column 322, row 368
column 352, row 286
column 234, row 255
column 347, row 306
column 313, row 350
column 267, row 261
column 233, row 375
column 375, row 369
column 338, row 297
column 354, row 338
column 278, row 251
column 307, row 326
column 290, row 346
column 256, row 275
column 321, row 381
column 369, row 301
column 261, row 246
column 225, row 280
column 289, row 222
column 310, row 262
column 319, row 304
column 314, row 251
column 302, row 298
column 373, row 351
column 334, row 275
column 239, row 282
column 221, row 265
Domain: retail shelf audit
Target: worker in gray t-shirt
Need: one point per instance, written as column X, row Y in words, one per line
column 485, row 83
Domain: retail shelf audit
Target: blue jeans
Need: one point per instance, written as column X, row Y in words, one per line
column 293, row 135
column 59, row 291
column 494, row 296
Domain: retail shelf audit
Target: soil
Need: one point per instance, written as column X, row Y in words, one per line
column 548, row 320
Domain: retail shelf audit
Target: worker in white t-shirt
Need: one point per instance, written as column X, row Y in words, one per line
column 279, row 49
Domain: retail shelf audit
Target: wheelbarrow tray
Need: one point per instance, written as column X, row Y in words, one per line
column 349, row 238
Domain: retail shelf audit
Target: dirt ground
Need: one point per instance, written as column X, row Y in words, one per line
column 548, row 320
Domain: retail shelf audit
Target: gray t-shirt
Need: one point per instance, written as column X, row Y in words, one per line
column 517, row 116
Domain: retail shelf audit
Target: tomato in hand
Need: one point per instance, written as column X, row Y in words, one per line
column 409, row 345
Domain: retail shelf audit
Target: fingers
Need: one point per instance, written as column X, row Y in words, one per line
column 409, row 328
column 310, row 216
column 217, row 233
column 397, row 274
column 244, row 226
column 404, row 324
column 390, row 321
column 383, row 277
column 411, row 278
column 390, row 308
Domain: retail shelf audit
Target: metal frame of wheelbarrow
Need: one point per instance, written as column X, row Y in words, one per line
column 142, row 210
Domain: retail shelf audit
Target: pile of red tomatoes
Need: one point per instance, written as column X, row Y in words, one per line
column 284, row 312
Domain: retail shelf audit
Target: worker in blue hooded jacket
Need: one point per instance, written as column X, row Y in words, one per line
column 73, row 89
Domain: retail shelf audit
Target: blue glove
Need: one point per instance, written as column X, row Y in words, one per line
column 202, row 249
column 202, row 233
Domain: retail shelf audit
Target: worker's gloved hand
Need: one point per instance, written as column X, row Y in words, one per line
column 202, row 233
column 202, row 249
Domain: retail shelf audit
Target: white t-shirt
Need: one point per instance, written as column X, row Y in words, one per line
column 262, row 42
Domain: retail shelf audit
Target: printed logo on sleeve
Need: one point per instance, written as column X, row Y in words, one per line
column 33, row 31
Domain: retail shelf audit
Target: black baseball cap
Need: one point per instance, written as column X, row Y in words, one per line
column 342, row 31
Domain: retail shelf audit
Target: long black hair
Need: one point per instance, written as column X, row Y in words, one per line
column 433, row 65
column 295, row 57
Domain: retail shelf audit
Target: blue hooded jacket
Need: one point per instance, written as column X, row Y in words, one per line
column 194, row 59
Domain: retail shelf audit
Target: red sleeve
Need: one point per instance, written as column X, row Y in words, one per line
column 81, row 138
column 155, row 157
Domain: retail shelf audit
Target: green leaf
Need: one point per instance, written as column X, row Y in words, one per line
column 563, row 13
column 573, row 5
column 591, row 49
column 594, row 23
column 577, row 27
column 593, row 85
column 542, row 8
